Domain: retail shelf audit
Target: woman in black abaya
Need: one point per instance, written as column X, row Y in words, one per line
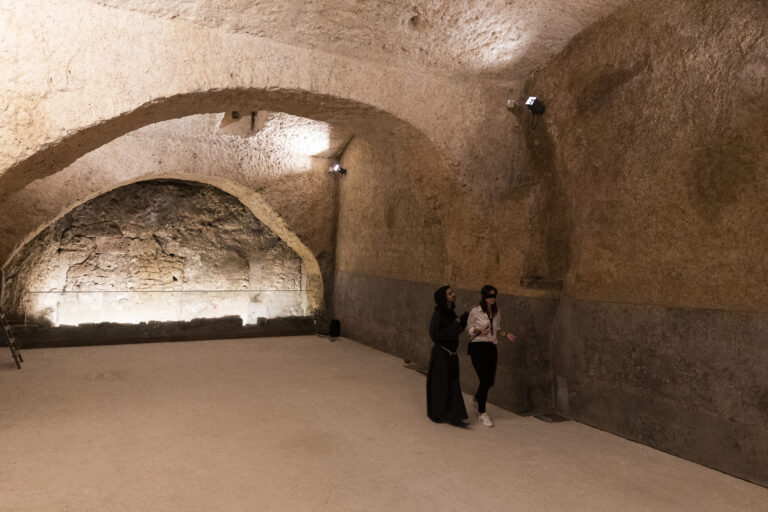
column 444, row 399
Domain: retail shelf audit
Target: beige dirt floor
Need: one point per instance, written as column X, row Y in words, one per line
column 300, row 423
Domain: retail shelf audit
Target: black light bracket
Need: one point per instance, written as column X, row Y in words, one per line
column 338, row 169
column 537, row 108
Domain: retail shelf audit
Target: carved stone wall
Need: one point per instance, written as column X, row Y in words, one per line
column 156, row 250
column 655, row 135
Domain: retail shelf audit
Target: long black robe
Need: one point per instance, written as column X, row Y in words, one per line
column 444, row 399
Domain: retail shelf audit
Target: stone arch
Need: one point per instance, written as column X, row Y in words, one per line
column 249, row 198
column 414, row 149
column 67, row 96
column 422, row 164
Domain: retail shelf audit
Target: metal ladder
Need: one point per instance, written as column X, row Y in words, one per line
column 11, row 341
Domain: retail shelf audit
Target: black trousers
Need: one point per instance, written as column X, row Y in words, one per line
column 484, row 357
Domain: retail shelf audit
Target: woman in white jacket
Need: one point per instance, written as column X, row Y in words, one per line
column 484, row 325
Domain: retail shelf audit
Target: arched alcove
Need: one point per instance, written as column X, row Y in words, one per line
column 163, row 250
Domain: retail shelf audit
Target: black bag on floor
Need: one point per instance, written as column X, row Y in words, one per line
column 335, row 329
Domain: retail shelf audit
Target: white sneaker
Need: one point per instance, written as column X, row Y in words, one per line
column 485, row 420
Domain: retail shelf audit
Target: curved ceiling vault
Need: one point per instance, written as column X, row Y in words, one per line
column 493, row 38
column 71, row 91
column 82, row 73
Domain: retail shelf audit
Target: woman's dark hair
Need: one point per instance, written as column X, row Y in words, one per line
column 441, row 298
column 487, row 291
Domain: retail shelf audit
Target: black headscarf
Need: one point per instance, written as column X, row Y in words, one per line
column 441, row 298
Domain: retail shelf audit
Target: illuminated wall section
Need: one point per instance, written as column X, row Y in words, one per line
column 155, row 251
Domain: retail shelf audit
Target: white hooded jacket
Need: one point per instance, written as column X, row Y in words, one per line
column 478, row 321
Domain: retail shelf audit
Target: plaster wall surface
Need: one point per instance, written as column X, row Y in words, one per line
column 656, row 128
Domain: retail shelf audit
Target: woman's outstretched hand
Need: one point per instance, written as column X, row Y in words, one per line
column 510, row 336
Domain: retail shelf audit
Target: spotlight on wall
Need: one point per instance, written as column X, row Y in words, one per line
column 336, row 168
column 537, row 108
column 534, row 105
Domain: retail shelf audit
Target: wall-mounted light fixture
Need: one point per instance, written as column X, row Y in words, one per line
column 534, row 105
column 537, row 108
column 336, row 168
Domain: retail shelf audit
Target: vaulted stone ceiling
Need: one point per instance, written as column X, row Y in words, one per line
column 502, row 39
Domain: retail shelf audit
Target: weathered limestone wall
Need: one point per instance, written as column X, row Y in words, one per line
column 656, row 129
column 155, row 251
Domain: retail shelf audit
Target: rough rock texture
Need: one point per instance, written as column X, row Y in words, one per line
column 655, row 137
column 155, row 251
column 453, row 149
column 643, row 187
column 276, row 173
column 387, row 227
column 69, row 91
column 392, row 253
column 656, row 126
column 493, row 38
column 692, row 382
column 383, row 229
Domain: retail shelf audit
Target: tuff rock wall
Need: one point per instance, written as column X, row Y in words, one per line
column 625, row 233
column 288, row 190
column 656, row 132
column 155, row 251
column 392, row 253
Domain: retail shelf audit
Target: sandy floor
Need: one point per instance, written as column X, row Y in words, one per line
column 301, row 423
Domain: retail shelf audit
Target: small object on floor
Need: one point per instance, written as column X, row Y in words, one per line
column 334, row 329
column 485, row 420
column 414, row 366
column 551, row 417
